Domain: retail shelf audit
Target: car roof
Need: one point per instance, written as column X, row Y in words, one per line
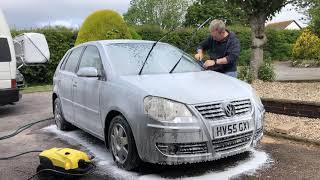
column 120, row 41
column 115, row 41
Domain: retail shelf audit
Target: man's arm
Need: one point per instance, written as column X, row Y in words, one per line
column 232, row 54
column 203, row 46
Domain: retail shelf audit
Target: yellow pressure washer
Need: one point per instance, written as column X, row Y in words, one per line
column 64, row 161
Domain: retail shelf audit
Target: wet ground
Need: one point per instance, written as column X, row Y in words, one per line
column 273, row 159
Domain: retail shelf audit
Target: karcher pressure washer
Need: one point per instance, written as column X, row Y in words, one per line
column 64, row 161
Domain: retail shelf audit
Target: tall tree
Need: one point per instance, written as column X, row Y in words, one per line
column 166, row 13
column 258, row 11
column 311, row 8
column 201, row 10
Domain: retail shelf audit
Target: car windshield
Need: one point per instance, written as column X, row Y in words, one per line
column 128, row 58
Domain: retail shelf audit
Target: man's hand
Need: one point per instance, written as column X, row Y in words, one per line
column 199, row 55
column 209, row 63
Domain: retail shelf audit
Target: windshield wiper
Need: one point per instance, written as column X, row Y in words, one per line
column 153, row 45
column 193, row 34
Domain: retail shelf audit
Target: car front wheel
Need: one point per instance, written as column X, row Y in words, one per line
column 122, row 144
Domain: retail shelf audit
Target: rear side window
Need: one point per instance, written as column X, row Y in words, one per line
column 64, row 60
column 72, row 62
column 5, row 55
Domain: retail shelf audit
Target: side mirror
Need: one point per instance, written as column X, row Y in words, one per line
column 31, row 49
column 88, row 72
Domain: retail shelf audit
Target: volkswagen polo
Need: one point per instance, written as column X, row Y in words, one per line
column 184, row 116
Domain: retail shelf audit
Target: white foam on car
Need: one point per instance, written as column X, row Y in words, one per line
column 104, row 160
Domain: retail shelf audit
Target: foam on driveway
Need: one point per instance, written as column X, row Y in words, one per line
column 104, row 161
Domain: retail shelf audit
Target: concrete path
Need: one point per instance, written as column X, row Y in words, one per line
column 285, row 159
column 284, row 72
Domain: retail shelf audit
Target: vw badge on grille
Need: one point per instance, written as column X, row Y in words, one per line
column 230, row 110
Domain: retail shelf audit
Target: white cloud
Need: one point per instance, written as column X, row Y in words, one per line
column 32, row 13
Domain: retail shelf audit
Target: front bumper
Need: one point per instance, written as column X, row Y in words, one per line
column 180, row 144
column 8, row 96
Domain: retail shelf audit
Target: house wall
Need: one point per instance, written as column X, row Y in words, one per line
column 293, row 26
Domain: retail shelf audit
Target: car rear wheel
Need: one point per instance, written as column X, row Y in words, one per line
column 122, row 144
column 61, row 123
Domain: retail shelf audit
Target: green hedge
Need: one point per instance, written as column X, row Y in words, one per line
column 278, row 47
column 61, row 39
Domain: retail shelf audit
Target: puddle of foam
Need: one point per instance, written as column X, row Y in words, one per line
column 257, row 161
column 104, row 160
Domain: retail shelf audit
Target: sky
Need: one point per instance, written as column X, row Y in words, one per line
column 71, row 13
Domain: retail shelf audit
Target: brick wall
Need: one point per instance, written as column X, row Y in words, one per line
column 292, row 108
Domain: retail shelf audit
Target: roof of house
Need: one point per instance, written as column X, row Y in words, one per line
column 282, row 24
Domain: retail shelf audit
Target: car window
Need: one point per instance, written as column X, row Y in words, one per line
column 73, row 60
column 64, row 60
column 91, row 58
column 128, row 58
column 5, row 55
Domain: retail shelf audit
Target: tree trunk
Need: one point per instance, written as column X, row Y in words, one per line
column 258, row 39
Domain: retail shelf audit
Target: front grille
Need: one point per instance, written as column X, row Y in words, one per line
column 231, row 142
column 216, row 110
column 182, row 148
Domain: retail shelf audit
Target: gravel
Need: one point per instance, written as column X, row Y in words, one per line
column 306, row 128
column 309, row 91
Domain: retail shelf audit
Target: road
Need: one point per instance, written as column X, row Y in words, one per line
column 273, row 159
column 285, row 72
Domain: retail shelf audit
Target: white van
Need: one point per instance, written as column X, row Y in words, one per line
column 31, row 48
column 8, row 88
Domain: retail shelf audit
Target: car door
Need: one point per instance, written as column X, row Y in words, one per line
column 87, row 92
column 66, row 76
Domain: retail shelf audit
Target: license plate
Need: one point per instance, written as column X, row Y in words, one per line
column 230, row 129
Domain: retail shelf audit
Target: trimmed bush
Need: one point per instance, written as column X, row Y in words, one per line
column 134, row 34
column 278, row 47
column 307, row 47
column 103, row 24
column 61, row 39
column 244, row 58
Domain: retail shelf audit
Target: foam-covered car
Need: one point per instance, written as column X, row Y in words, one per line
column 189, row 115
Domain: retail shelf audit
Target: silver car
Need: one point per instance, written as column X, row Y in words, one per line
column 187, row 116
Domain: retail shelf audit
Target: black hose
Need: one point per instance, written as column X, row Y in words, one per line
column 92, row 169
column 22, row 128
column 27, row 152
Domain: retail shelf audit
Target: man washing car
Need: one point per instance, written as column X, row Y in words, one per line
column 223, row 48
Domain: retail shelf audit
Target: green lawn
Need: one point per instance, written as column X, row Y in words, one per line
column 38, row 88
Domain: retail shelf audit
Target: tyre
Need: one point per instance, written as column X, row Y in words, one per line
column 61, row 123
column 122, row 145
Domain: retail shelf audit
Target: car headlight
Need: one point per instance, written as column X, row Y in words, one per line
column 166, row 110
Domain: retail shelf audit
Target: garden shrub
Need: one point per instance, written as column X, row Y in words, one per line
column 266, row 71
column 307, row 47
column 101, row 25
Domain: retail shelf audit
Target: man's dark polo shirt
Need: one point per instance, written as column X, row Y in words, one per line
column 228, row 47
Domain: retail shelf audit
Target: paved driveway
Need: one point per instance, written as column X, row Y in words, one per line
column 284, row 72
column 274, row 159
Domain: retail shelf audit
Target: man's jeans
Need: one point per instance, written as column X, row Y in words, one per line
column 232, row 74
